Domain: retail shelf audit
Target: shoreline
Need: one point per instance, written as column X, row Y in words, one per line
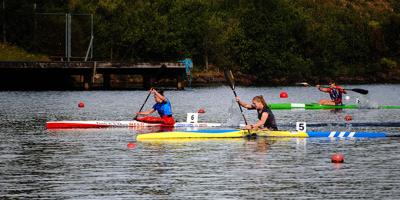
column 211, row 78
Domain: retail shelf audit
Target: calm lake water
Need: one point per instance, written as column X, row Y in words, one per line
column 96, row 164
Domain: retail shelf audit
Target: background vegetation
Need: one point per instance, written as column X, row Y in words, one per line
column 12, row 53
column 274, row 41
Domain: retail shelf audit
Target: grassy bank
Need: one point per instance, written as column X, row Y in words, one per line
column 13, row 53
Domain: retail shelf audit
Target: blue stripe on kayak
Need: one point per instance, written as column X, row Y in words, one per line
column 346, row 134
column 370, row 135
column 214, row 131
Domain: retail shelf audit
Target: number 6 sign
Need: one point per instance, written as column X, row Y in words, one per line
column 192, row 117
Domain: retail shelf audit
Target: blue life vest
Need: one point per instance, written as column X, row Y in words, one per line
column 164, row 108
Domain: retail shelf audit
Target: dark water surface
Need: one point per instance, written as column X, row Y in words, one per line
column 96, row 164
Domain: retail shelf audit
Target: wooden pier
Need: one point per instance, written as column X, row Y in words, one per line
column 85, row 75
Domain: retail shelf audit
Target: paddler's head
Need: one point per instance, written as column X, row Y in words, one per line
column 157, row 98
column 259, row 102
column 332, row 84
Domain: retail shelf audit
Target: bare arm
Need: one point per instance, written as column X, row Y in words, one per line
column 341, row 90
column 244, row 104
column 260, row 122
column 322, row 89
column 148, row 112
column 158, row 94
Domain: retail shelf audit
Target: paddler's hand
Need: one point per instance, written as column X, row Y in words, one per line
column 248, row 127
column 237, row 99
column 152, row 90
column 318, row 86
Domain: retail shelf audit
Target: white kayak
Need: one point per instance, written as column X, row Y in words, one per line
column 116, row 124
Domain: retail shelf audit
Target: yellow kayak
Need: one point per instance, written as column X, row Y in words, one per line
column 233, row 133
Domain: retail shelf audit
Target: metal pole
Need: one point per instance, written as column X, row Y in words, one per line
column 92, row 35
column 89, row 48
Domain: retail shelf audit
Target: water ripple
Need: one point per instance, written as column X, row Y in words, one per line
column 96, row 164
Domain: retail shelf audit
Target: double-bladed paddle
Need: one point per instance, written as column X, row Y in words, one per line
column 358, row 90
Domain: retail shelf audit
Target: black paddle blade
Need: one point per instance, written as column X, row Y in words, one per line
column 358, row 90
column 229, row 78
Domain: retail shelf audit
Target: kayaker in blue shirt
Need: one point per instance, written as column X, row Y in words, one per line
column 266, row 117
column 162, row 106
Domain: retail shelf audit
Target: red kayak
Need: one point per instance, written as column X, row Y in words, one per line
column 116, row 124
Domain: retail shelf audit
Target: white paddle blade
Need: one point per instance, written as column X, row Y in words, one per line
column 303, row 84
column 230, row 79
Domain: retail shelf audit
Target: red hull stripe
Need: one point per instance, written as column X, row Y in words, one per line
column 75, row 125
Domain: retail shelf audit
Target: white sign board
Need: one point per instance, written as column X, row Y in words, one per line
column 192, row 117
column 301, row 126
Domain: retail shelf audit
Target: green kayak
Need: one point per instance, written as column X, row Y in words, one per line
column 315, row 106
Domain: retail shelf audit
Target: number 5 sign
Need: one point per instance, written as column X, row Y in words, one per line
column 301, row 126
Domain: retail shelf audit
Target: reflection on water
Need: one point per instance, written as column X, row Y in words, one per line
column 97, row 164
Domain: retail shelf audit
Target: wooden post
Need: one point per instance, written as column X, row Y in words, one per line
column 179, row 83
column 94, row 72
column 87, row 81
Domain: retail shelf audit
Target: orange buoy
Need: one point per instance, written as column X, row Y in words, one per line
column 348, row 118
column 283, row 94
column 201, row 110
column 337, row 158
column 81, row 105
column 131, row 145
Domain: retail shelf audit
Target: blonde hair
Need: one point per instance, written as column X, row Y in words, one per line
column 261, row 99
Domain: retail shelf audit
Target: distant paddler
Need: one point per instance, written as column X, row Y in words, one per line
column 162, row 106
column 266, row 117
column 188, row 68
column 335, row 92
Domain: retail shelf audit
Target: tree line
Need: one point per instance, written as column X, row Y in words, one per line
column 275, row 41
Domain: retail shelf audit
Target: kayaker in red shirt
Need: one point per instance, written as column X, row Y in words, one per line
column 162, row 106
column 335, row 92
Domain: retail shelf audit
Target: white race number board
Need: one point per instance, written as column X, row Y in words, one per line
column 192, row 117
column 301, row 126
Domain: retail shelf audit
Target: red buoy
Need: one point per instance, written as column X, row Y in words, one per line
column 81, row 104
column 348, row 118
column 337, row 158
column 201, row 110
column 283, row 95
column 131, row 145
